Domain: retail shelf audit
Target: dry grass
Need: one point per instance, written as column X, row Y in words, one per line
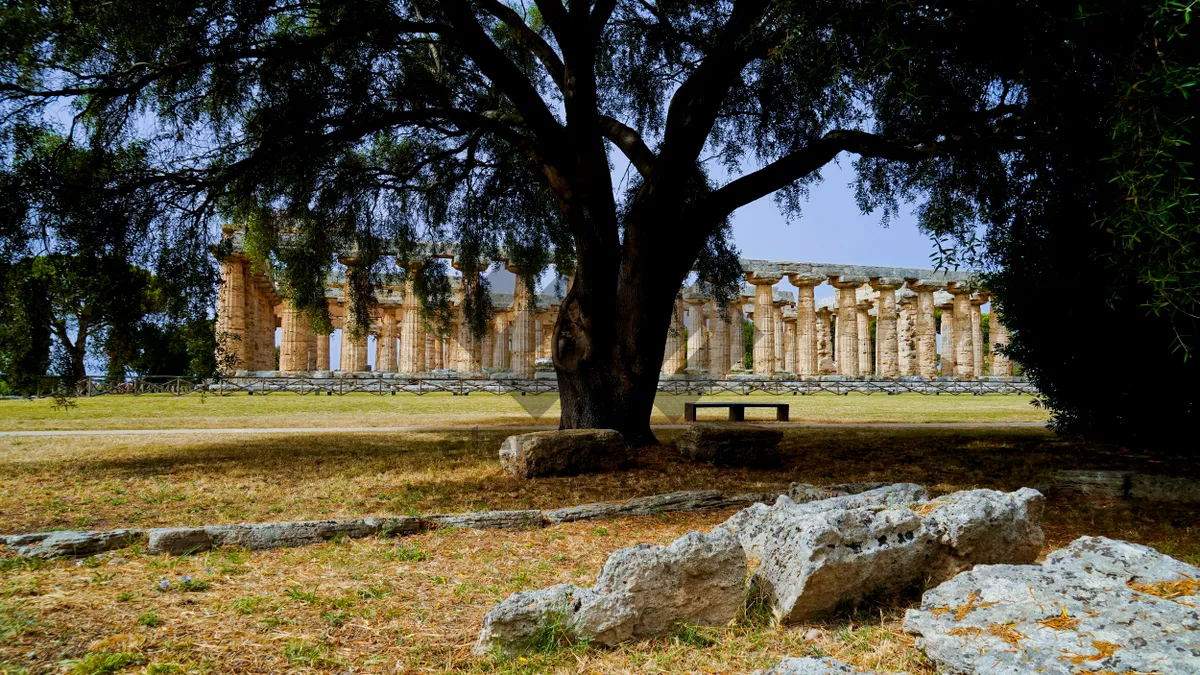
column 413, row 605
column 364, row 410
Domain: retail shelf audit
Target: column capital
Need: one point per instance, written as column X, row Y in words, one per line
column 959, row 288
column 925, row 285
column 800, row 280
column 980, row 298
column 844, row 282
column 757, row 280
column 886, row 283
column 865, row 304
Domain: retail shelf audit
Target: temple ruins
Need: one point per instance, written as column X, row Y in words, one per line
column 796, row 335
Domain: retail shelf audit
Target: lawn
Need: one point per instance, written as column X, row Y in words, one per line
column 366, row 410
column 414, row 605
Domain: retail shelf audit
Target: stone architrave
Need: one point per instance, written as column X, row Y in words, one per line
column 979, row 349
column 865, row 353
column 1001, row 364
column 695, row 340
column 846, row 351
column 789, row 343
column 887, row 343
column 764, row 323
column 501, row 351
column 949, row 353
column 412, row 329
column 322, row 351
column 737, row 339
column 807, row 352
column 523, row 328
column 718, row 341
column 925, row 329
column 385, row 342
column 293, row 343
column 354, row 337
column 231, row 313
column 964, row 355
column 907, row 335
column 673, row 355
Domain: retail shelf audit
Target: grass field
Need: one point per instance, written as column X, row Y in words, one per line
column 365, row 410
column 414, row 605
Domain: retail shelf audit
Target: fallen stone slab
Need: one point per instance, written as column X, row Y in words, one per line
column 72, row 543
column 1164, row 488
column 824, row 555
column 564, row 452
column 812, row 666
column 257, row 536
column 489, row 520
column 688, row 500
column 1091, row 483
column 1099, row 605
column 725, row 444
column 805, row 492
column 642, row 592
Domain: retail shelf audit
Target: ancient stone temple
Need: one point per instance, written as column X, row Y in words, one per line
column 877, row 322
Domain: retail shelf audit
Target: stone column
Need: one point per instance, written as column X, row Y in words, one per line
column 737, row 339
column 964, row 354
column 487, row 346
column 806, row 324
column 777, row 333
column 847, row 327
column 470, row 350
column 789, row 344
column 718, row 341
column 824, row 342
column 887, row 361
column 764, row 323
column 926, row 329
column 865, row 353
column 385, row 342
column 322, row 352
column 949, row 342
column 696, row 362
column 500, row 348
column 354, row 338
column 267, row 352
column 978, row 348
column 523, row 328
column 907, row 329
column 1000, row 337
column 674, row 353
column 293, row 344
column 412, row 329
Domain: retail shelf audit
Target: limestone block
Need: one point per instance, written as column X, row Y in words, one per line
column 812, row 666
column 490, row 520
column 1091, row 483
column 566, row 452
column 688, row 500
column 986, row 527
column 802, row 493
column 1099, row 605
column 646, row 590
column 72, row 543
column 518, row 623
column 730, row 444
column 1164, row 488
column 255, row 536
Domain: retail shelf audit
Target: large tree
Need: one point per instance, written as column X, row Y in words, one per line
column 368, row 125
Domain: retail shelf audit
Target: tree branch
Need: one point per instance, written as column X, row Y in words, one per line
column 630, row 143
column 528, row 39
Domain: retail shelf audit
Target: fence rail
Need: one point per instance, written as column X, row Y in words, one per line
column 382, row 385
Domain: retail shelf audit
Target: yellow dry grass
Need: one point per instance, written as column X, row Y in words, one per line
column 365, row 410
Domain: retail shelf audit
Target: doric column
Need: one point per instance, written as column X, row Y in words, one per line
column 764, row 323
column 322, row 351
column 695, row 341
column 847, row 327
column 500, row 347
column 964, row 354
column 777, row 334
column 865, row 353
column 907, row 330
column 487, row 346
column 470, row 350
column 926, row 329
column 718, row 341
column 978, row 348
column 523, row 328
column 824, row 342
column 737, row 339
column 806, row 324
column 789, row 343
column 385, row 342
column 887, row 361
column 949, row 343
column 412, row 328
column 354, row 337
column 267, row 352
column 999, row 337
column 293, row 343
column 674, row 353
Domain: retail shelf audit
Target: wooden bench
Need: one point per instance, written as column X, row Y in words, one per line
column 737, row 411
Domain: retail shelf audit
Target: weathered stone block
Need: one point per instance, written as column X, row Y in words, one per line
column 1098, row 605
column 688, row 500
column 985, row 527
column 491, row 520
column 811, row 666
column 1091, row 483
column 525, row 618
column 73, row 543
column 728, row 444
column 255, row 536
column 1164, row 488
column 564, row 452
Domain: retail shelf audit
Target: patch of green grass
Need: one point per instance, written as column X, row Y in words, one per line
column 405, row 554
column 247, row 605
column 310, row 654
column 149, row 619
column 693, row 636
column 103, row 663
column 374, row 591
column 14, row 620
column 164, row 669
column 335, row 618
column 17, row 564
column 300, row 595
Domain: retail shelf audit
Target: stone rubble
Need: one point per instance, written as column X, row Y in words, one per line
column 691, row 500
column 1099, row 605
column 1125, row 485
column 564, row 452
column 642, row 592
column 725, row 444
column 812, row 666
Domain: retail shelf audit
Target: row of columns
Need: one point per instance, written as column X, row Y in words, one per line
column 246, row 319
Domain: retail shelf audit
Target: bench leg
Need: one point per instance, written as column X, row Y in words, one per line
column 689, row 412
column 781, row 413
column 737, row 414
